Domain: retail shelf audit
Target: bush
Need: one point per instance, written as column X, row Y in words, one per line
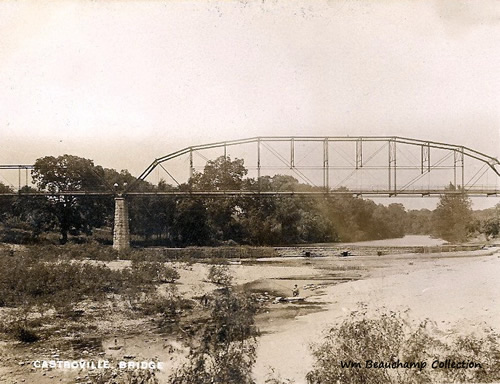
column 15, row 236
column 56, row 284
column 219, row 274
column 125, row 377
column 93, row 251
column 226, row 350
column 154, row 271
column 24, row 334
column 168, row 274
column 70, row 251
column 170, row 304
column 390, row 339
column 275, row 378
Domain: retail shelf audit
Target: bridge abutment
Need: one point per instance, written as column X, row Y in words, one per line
column 121, row 230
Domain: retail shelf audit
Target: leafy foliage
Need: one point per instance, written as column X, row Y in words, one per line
column 226, row 350
column 230, row 220
column 452, row 217
column 24, row 333
column 54, row 284
column 44, row 277
column 109, row 376
column 390, row 338
column 154, row 271
column 70, row 214
column 489, row 220
column 169, row 304
column 5, row 202
column 219, row 274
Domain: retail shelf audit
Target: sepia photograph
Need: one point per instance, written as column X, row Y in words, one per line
column 249, row 191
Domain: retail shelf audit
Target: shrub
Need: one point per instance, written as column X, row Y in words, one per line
column 219, row 274
column 226, row 350
column 145, row 271
column 153, row 272
column 25, row 333
column 170, row 304
column 168, row 274
column 275, row 378
column 15, row 235
column 30, row 281
column 93, row 251
column 125, row 377
column 391, row 339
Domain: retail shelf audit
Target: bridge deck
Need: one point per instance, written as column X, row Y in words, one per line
column 364, row 192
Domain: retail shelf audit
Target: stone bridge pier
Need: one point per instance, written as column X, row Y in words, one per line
column 121, row 229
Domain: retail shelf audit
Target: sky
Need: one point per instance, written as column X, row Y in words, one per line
column 124, row 82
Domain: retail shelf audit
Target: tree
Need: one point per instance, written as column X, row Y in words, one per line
column 491, row 227
column 152, row 216
column 452, row 217
column 71, row 214
column 226, row 351
column 259, row 221
column 222, row 174
column 34, row 212
column 5, row 201
column 419, row 222
column 191, row 223
column 389, row 222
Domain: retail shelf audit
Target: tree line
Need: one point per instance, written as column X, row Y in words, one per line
column 184, row 221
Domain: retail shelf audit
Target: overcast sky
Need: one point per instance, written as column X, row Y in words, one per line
column 123, row 82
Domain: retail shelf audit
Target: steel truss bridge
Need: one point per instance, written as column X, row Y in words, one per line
column 332, row 166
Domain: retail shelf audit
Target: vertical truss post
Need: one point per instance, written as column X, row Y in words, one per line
column 292, row 153
column 19, row 170
column 455, row 160
column 463, row 169
column 458, row 158
column 389, row 166
column 325, row 165
column 428, row 157
column 258, row 162
column 191, row 168
column 225, row 151
column 26, row 176
column 421, row 159
column 359, row 153
column 425, row 158
column 392, row 167
column 389, row 163
column 395, row 168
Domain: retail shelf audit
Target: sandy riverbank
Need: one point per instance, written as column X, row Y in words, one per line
column 458, row 291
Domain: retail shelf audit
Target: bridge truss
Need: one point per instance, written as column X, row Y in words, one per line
column 361, row 165
column 331, row 166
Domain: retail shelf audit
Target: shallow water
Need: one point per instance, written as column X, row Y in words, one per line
column 407, row 241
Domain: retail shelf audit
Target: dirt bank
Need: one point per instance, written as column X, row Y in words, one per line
column 458, row 291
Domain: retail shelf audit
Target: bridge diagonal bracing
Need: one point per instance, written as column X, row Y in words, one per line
column 365, row 165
